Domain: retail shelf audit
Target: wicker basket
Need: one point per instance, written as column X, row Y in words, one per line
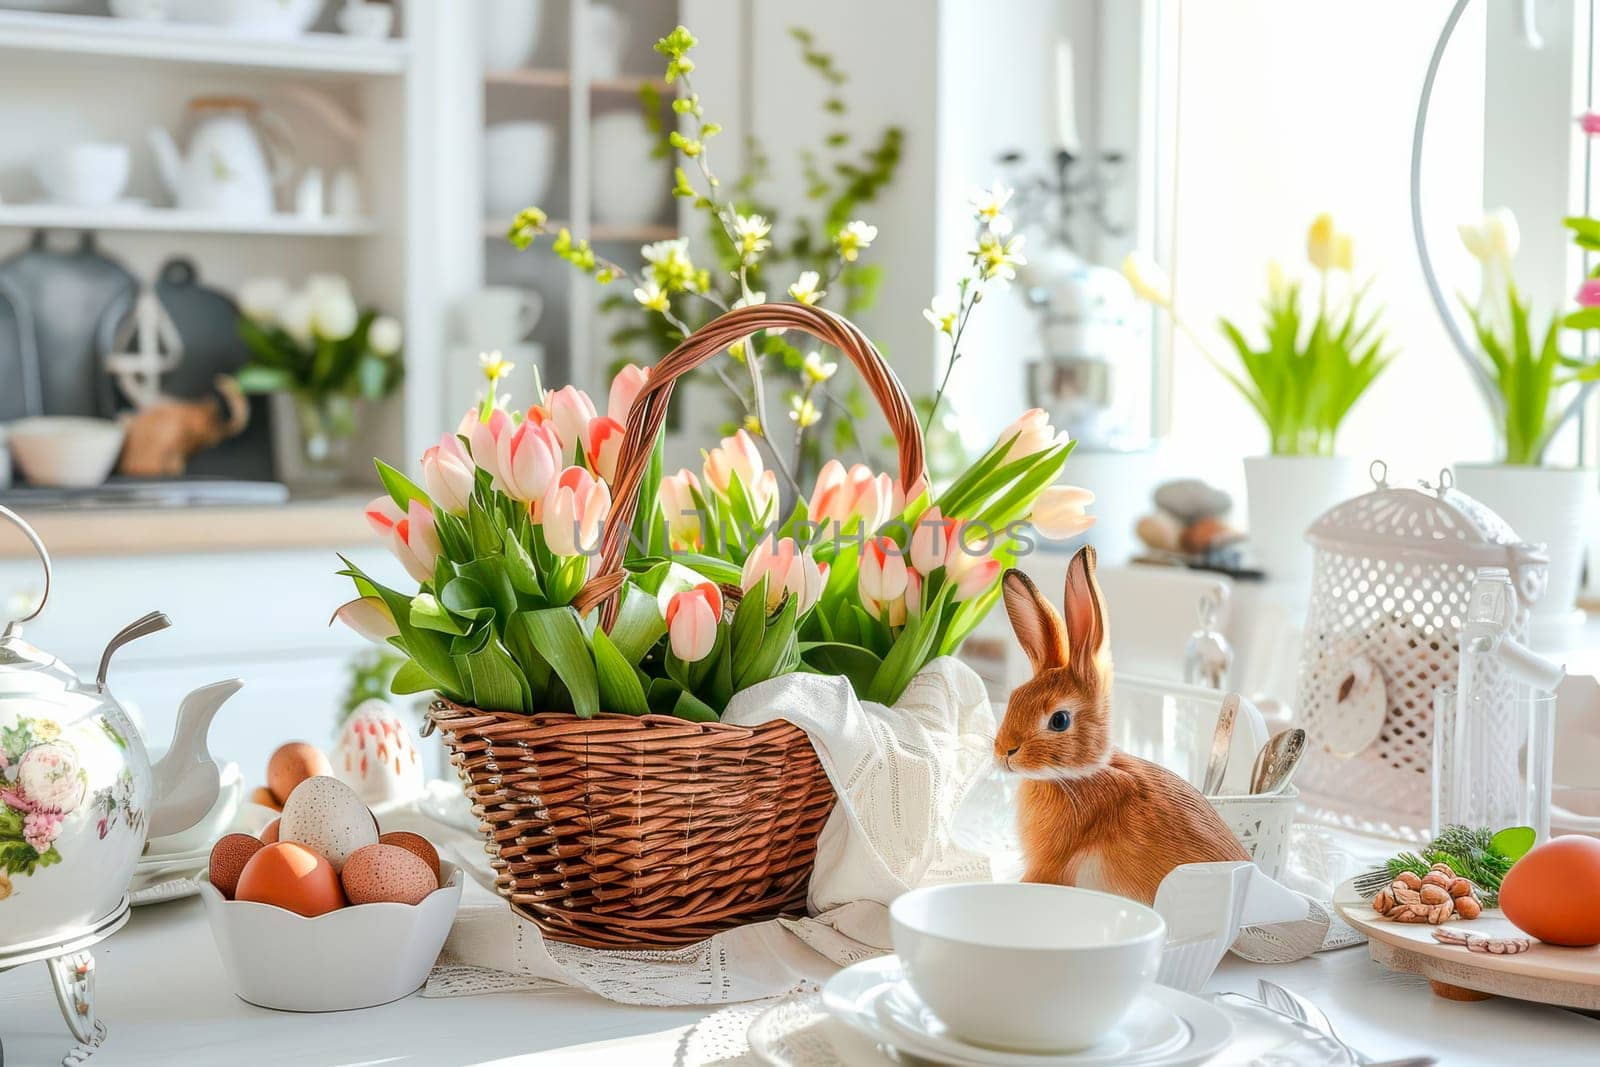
column 621, row 832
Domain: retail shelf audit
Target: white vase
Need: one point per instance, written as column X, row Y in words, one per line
column 1552, row 506
column 1286, row 494
column 630, row 187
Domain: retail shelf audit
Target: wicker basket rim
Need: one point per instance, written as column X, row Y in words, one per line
column 446, row 712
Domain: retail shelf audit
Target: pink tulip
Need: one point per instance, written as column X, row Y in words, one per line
column 368, row 616
column 842, row 496
column 382, row 514
column 415, row 542
column 882, row 578
column 1589, row 293
column 625, row 389
column 449, row 474
column 972, row 572
column 1030, row 435
column 786, row 569
column 1589, row 122
column 913, row 597
column 736, row 455
column 575, row 511
column 529, row 458
column 679, row 510
column 483, row 437
column 692, row 619
column 1059, row 514
column 572, row 411
column 604, row 447
column 931, row 540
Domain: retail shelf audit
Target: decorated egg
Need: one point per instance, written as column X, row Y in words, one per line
column 326, row 816
column 292, row 764
column 1553, row 893
column 291, row 876
column 377, row 755
column 387, row 874
column 414, row 843
column 228, row 858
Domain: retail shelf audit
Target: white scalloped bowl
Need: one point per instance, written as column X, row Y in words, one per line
column 357, row 957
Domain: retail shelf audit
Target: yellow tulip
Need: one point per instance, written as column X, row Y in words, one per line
column 1148, row 280
column 1321, row 241
column 1344, row 252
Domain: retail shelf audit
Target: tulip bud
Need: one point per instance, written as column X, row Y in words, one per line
column 882, row 577
column 415, row 542
column 679, row 510
column 971, row 571
column 575, row 511
column 625, row 389
column 449, row 474
column 382, row 514
column 483, row 437
column 1030, row 435
column 604, row 447
column 1059, row 514
column 572, row 411
column 368, row 616
column 529, row 459
column 931, row 541
column 786, row 569
column 692, row 619
column 737, row 455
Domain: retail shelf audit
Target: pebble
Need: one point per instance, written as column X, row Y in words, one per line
column 1190, row 500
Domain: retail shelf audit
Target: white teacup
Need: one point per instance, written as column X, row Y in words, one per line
column 1024, row 967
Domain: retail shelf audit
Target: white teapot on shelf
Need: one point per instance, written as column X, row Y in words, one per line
column 237, row 156
column 78, row 798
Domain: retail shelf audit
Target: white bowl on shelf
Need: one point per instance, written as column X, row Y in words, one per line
column 87, row 174
column 359, row 956
column 65, row 451
column 629, row 184
column 250, row 18
column 519, row 160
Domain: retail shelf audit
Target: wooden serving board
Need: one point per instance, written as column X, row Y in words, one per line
column 1546, row 974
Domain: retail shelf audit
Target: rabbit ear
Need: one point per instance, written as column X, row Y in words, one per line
column 1086, row 614
column 1039, row 628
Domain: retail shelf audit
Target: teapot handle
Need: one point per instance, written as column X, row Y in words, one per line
column 44, row 557
column 279, row 142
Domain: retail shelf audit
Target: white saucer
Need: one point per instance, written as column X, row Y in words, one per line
column 1165, row 1027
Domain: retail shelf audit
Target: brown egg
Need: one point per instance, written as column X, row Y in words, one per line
column 382, row 873
column 228, row 858
column 292, row 764
column 264, row 797
column 1552, row 892
column 270, row 833
column 291, row 876
column 414, row 843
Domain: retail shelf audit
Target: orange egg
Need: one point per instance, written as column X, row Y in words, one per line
column 270, row 833
column 292, row 764
column 414, row 843
column 291, row 876
column 264, row 797
column 228, row 858
column 1553, row 893
column 382, row 873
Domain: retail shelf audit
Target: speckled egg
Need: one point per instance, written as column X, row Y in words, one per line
column 414, row 843
column 377, row 755
column 387, row 874
column 326, row 816
column 228, row 857
column 292, row 764
column 291, row 876
column 269, row 833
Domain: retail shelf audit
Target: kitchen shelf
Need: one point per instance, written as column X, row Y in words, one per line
column 94, row 35
column 649, row 231
column 558, row 78
column 171, row 220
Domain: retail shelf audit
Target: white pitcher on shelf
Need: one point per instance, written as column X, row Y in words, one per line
column 237, row 156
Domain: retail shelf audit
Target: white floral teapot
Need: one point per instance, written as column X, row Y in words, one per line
column 78, row 797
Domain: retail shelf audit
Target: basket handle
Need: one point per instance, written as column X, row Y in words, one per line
column 649, row 412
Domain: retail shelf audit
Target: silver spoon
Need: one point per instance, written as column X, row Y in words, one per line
column 1221, row 742
column 1276, row 762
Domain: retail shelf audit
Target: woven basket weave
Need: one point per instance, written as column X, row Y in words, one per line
column 652, row 831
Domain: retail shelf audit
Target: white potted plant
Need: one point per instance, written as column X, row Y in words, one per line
column 1531, row 389
column 1312, row 365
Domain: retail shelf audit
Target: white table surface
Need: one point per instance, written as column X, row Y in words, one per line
column 165, row 1001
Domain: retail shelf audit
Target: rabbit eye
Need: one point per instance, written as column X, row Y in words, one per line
column 1060, row 720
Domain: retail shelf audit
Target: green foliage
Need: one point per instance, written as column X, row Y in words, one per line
column 371, row 677
column 316, row 368
column 1304, row 380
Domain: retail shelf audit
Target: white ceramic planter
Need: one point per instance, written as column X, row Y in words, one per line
column 1553, row 506
column 1285, row 495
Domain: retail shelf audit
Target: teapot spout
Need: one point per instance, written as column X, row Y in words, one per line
column 186, row 778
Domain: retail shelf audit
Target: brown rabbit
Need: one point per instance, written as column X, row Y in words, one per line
column 1090, row 815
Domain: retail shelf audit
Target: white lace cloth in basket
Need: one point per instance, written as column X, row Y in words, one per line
column 900, row 773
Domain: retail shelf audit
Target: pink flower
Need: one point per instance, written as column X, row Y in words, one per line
column 483, row 437
column 1589, row 293
column 368, row 616
column 40, row 829
column 449, row 474
column 1059, row 514
column 1030, row 435
column 415, row 542
column 913, row 596
column 882, row 578
column 47, row 775
column 1589, row 122
column 604, row 447
column 625, row 389
column 575, row 511
column 529, row 459
column 692, row 619
column 786, row 569
column 571, row 411
column 382, row 514
column 972, row 571
column 842, row 496
column 679, row 510
column 737, row 455
column 931, row 540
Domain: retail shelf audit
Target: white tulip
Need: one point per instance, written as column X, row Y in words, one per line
column 261, row 299
column 333, row 314
column 295, row 318
column 385, row 335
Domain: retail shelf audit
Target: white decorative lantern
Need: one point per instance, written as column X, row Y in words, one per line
column 1392, row 573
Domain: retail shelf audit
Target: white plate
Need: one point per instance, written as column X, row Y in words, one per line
column 855, row 995
column 799, row 1032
